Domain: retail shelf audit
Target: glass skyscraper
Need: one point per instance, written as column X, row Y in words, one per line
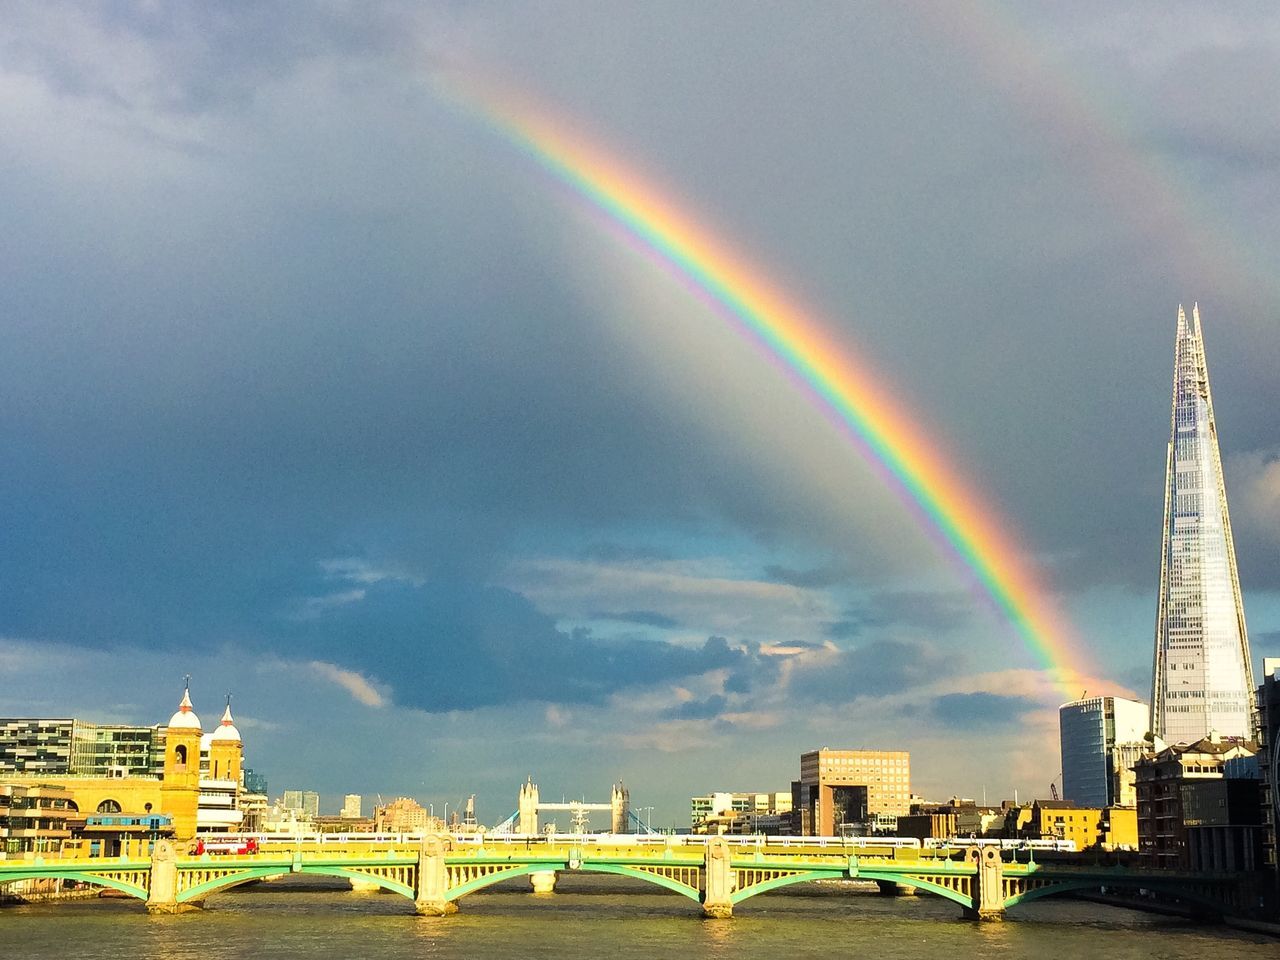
column 1090, row 731
column 1203, row 677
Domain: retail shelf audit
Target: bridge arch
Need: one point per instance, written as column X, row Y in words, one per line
column 623, row 870
column 784, row 881
column 919, row 883
column 226, row 881
column 1206, row 903
column 497, row 876
column 80, row 876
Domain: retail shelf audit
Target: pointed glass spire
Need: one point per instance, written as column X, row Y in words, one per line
column 1202, row 677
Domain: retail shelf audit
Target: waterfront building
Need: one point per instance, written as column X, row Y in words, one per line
column 33, row 818
column 1064, row 820
column 1202, row 678
column 842, row 790
column 1089, row 731
column 74, row 747
column 1269, row 764
column 958, row 817
column 741, row 813
column 1160, row 778
column 195, row 785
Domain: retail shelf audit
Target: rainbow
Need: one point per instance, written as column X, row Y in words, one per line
column 844, row 389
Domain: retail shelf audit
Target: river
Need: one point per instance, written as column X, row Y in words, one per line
column 600, row 917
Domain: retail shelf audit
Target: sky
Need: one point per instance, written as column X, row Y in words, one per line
column 316, row 387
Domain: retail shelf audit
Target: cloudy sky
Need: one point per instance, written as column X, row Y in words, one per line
column 315, row 388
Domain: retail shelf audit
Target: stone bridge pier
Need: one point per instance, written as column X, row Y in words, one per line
column 431, row 895
column 163, row 892
column 717, row 886
column 988, row 884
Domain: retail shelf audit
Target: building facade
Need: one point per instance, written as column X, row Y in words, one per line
column 844, row 790
column 1202, row 677
column 33, row 818
column 72, row 747
column 1160, row 778
column 1269, row 765
column 1089, row 731
column 195, row 786
column 740, row 813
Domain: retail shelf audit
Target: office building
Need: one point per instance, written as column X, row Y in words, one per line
column 351, row 804
column 1089, row 731
column 843, row 791
column 305, row 802
column 1203, row 679
column 33, row 746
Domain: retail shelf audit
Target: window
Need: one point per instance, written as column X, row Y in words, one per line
column 109, row 806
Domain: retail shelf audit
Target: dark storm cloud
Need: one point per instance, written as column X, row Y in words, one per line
column 348, row 322
column 452, row 645
column 967, row 711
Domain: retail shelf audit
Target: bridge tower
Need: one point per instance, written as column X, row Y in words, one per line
column 620, row 809
column 528, row 809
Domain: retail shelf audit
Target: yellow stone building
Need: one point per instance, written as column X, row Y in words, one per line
column 176, row 793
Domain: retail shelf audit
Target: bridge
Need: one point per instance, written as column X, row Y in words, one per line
column 718, row 873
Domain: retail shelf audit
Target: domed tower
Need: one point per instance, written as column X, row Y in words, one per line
column 180, row 792
column 225, row 749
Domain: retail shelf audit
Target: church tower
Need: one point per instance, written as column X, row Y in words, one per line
column 180, row 791
column 225, row 749
column 1203, row 675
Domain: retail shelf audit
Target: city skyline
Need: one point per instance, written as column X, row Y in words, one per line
column 320, row 391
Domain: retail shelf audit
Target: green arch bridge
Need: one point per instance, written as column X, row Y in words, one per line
column 718, row 875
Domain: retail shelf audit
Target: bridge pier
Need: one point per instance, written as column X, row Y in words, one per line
column 987, row 901
column 431, row 896
column 544, row 881
column 890, row 889
column 717, row 887
column 162, row 896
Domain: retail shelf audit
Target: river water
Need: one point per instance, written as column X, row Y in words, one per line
column 592, row 917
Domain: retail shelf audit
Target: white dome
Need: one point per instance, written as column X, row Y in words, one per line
column 185, row 718
column 226, row 732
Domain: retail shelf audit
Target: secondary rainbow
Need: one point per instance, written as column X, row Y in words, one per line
column 850, row 396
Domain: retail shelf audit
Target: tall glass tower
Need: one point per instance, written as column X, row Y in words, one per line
column 1203, row 677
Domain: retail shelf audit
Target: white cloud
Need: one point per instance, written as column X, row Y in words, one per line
column 360, row 687
column 1255, row 493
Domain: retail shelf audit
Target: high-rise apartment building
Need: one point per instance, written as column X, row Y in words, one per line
column 1090, row 730
column 1202, row 677
column 351, row 804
